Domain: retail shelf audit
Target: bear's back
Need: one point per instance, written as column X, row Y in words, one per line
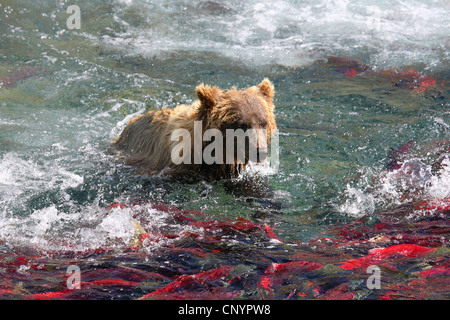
column 147, row 137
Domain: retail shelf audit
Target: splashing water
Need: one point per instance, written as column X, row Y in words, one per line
column 355, row 82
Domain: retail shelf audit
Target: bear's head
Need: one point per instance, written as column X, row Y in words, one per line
column 245, row 119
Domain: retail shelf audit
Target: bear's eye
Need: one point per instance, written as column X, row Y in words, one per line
column 263, row 123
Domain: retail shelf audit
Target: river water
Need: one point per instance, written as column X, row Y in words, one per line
column 363, row 115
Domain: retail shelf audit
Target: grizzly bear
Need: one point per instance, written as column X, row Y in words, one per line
column 152, row 140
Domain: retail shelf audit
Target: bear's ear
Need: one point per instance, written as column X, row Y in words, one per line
column 208, row 96
column 267, row 89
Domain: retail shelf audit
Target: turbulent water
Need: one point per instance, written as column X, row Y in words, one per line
column 363, row 114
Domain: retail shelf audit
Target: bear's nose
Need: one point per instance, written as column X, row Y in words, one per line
column 262, row 154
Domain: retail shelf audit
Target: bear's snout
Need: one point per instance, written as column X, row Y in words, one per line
column 256, row 146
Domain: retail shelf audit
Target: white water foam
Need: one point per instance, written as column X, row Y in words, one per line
column 72, row 227
column 440, row 185
column 50, row 230
column 412, row 177
column 19, row 176
column 358, row 203
column 291, row 33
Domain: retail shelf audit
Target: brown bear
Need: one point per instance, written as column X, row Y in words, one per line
column 149, row 140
